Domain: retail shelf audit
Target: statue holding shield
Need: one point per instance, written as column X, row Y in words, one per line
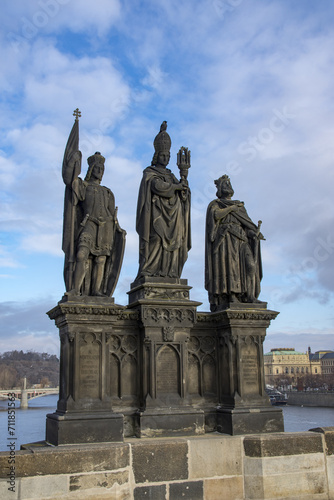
column 93, row 241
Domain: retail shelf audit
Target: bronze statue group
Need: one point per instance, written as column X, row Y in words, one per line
column 93, row 241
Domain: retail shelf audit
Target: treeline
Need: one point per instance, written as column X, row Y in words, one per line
column 38, row 368
column 305, row 382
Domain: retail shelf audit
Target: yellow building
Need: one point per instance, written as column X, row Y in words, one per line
column 287, row 363
column 327, row 361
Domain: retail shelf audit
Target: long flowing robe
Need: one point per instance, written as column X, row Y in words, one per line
column 230, row 252
column 163, row 224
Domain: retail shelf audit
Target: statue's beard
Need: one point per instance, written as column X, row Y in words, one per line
column 226, row 192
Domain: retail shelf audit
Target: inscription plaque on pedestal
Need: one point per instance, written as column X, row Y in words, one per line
column 249, row 364
column 89, row 367
column 168, row 371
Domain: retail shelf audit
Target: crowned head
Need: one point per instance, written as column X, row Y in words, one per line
column 224, row 187
column 95, row 166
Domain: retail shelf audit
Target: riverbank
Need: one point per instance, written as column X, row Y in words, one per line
column 319, row 399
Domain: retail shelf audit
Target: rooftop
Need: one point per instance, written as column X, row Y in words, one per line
column 285, row 352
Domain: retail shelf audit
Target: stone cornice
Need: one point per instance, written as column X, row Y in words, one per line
column 120, row 313
column 243, row 314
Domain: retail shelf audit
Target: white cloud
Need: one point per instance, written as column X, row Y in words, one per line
column 92, row 84
column 28, row 326
column 8, row 171
column 43, row 243
column 39, row 17
column 26, row 341
column 317, row 339
column 7, row 260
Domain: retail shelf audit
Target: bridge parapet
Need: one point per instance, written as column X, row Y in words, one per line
column 31, row 393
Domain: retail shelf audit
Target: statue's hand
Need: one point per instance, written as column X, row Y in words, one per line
column 254, row 235
column 235, row 208
column 182, row 186
column 74, row 158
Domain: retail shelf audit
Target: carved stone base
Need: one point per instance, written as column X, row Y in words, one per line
column 244, row 404
column 88, row 344
column 249, row 420
column 151, row 289
column 169, row 422
column 167, row 317
column 161, row 356
column 83, row 428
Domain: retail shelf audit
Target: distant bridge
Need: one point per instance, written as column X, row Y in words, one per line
column 31, row 393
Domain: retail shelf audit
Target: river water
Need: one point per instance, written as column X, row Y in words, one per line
column 30, row 424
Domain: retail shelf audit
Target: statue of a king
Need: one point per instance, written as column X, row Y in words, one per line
column 93, row 241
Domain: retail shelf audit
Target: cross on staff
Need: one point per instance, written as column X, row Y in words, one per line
column 77, row 114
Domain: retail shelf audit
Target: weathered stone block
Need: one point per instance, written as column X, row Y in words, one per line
column 249, row 420
column 171, row 422
column 310, row 485
column 329, row 438
column 208, row 457
column 330, row 475
column 231, row 488
column 44, row 486
column 84, row 428
column 68, row 460
column 187, row 491
column 156, row 461
column 11, row 494
column 150, row 492
column 275, row 445
column 107, row 480
column 285, row 464
column 115, row 493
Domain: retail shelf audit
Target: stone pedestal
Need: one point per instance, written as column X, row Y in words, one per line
column 244, row 405
column 84, row 427
column 158, row 368
column 167, row 316
column 84, row 413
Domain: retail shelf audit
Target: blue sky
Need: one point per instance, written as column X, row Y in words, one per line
column 247, row 85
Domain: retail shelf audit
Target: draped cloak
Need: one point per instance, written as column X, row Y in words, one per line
column 163, row 224
column 228, row 249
